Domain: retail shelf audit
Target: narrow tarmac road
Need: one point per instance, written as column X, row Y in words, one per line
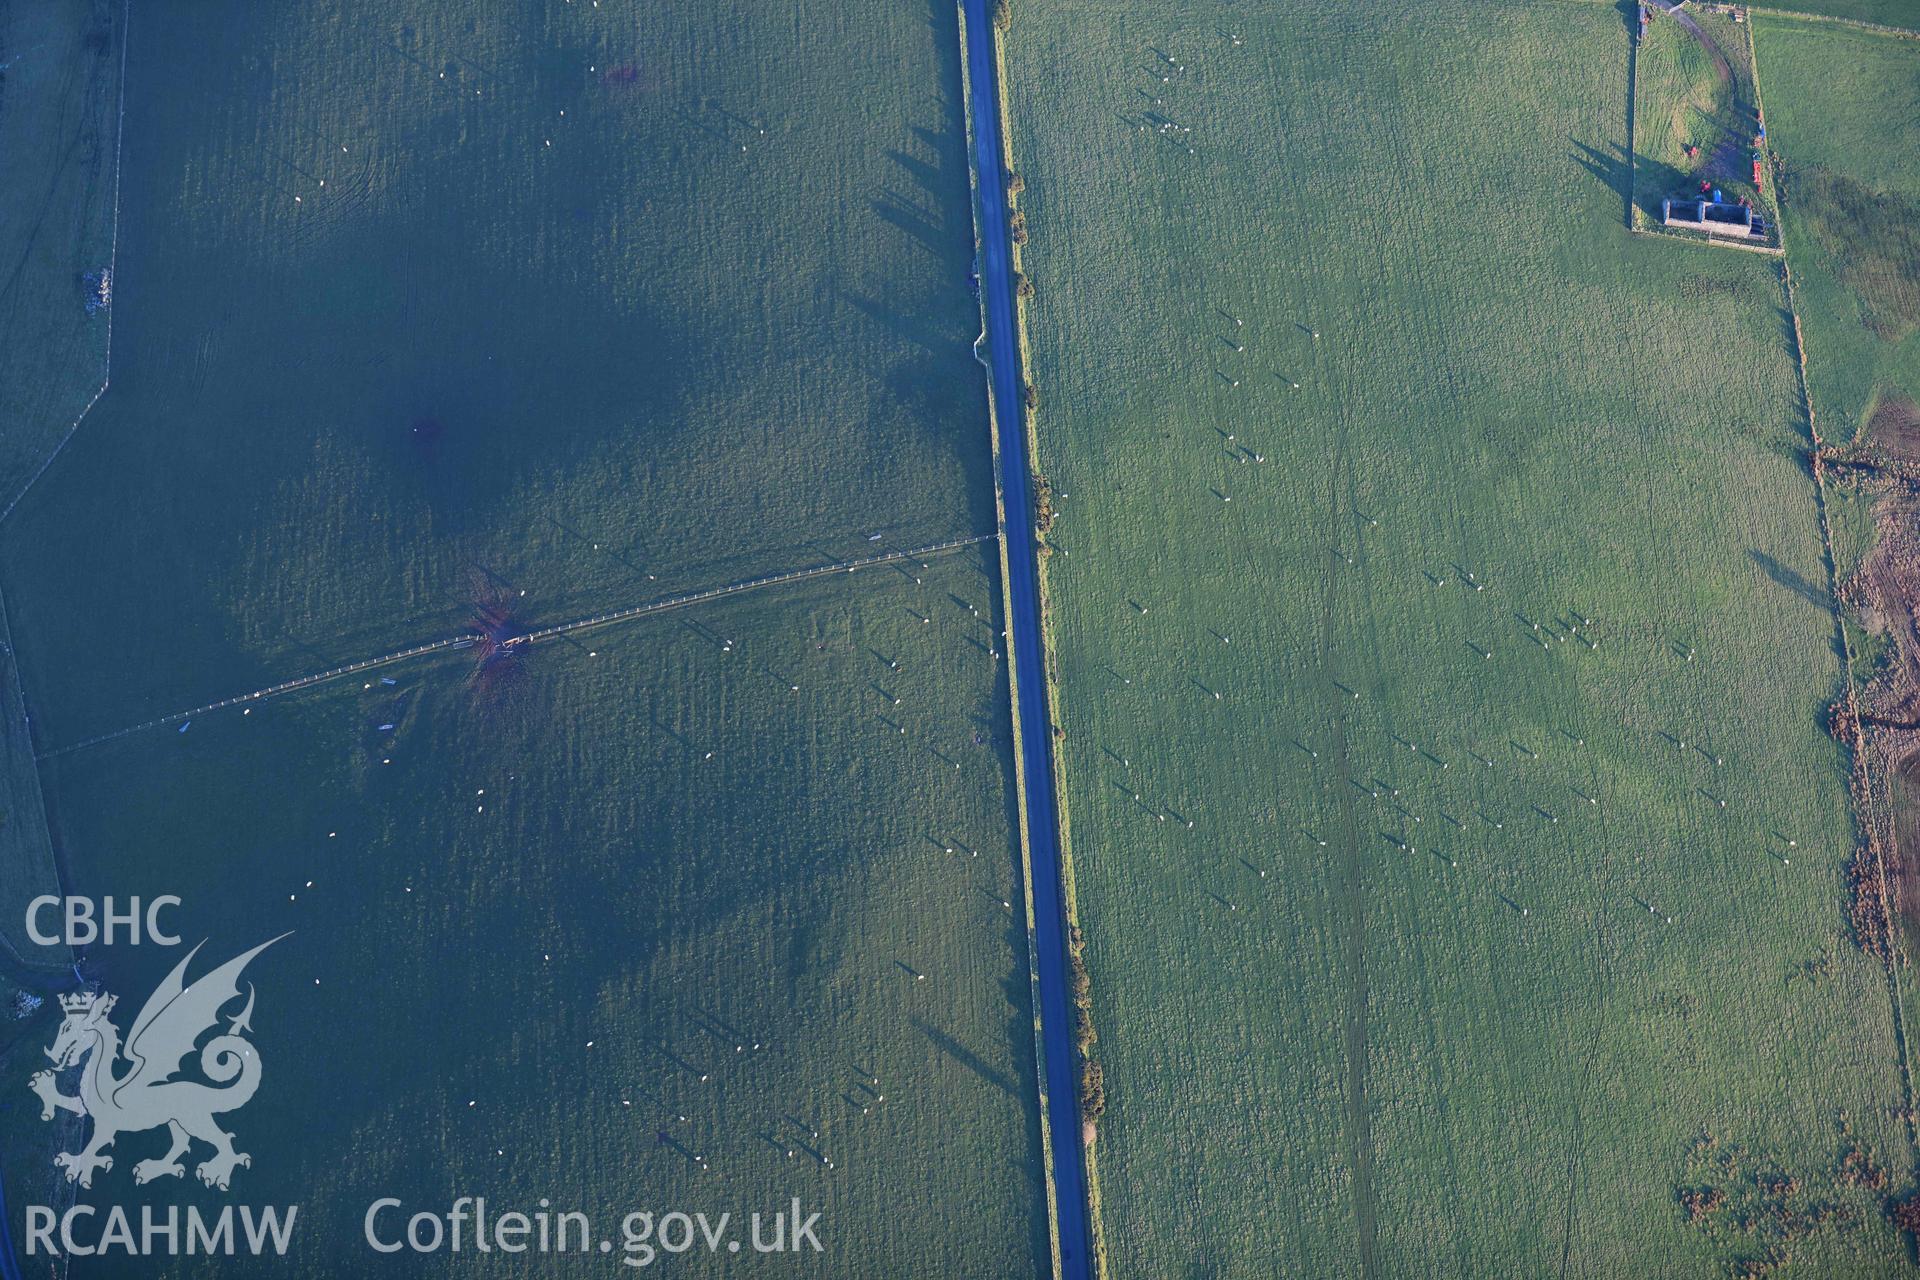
column 1023, row 614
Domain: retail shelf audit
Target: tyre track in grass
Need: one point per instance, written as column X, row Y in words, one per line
column 1577, row 1144
column 1426, row 315
column 1353, row 889
column 1369, row 614
column 1721, row 67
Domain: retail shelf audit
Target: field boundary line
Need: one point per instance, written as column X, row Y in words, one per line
column 113, row 262
column 1061, row 1077
column 30, row 808
column 1707, row 242
column 535, row 636
column 1062, row 804
column 1860, row 800
column 1834, row 19
column 1633, row 116
column 1801, row 15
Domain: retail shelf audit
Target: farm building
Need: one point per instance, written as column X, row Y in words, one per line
column 1715, row 217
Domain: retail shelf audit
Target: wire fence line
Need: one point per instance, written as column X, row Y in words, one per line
column 113, row 262
column 9, row 1261
column 535, row 636
column 26, row 842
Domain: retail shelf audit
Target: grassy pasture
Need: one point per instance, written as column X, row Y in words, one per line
column 1681, row 97
column 615, row 884
column 59, row 90
column 1841, row 104
column 59, row 66
column 1886, row 13
column 1355, row 1057
column 27, row 867
column 1841, row 109
column 716, row 328
column 381, row 350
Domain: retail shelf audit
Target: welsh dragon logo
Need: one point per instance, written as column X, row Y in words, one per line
column 146, row 1095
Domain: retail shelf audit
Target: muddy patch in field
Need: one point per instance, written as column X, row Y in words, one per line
column 1904, row 866
column 1732, row 161
column 1894, row 426
column 1699, row 285
column 1885, row 595
column 1874, row 242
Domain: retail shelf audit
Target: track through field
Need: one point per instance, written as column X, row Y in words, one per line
column 535, row 636
column 1352, row 879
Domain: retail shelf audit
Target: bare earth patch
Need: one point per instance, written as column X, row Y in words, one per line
column 1894, row 427
column 1884, row 596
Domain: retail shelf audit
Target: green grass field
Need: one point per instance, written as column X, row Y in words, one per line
column 1841, row 106
column 556, row 904
column 1680, row 97
column 59, row 95
column 27, row 867
column 567, row 311
column 1357, row 1058
column 717, row 328
column 1887, row 13
column 1443, row 630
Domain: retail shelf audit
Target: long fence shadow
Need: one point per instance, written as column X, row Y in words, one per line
column 965, row 1057
column 1614, row 168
